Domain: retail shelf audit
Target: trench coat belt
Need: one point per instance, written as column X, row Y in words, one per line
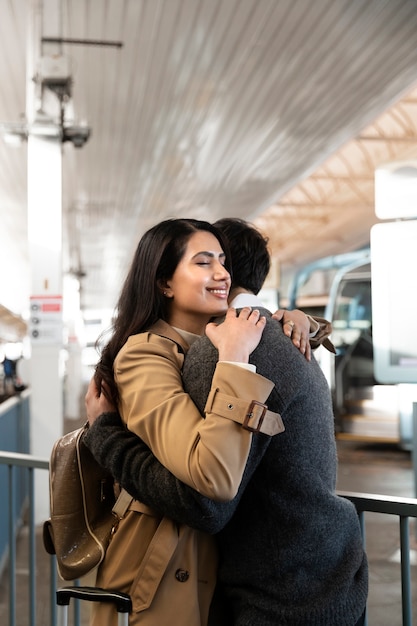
column 252, row 415
column 157, row 556
column 140, row 507
column 125, row 502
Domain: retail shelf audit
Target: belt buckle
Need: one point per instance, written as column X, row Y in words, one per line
column 250, row 414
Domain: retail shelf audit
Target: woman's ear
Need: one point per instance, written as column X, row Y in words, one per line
column 165, row 289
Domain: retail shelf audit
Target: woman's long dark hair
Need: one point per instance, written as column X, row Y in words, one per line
column 141, row 302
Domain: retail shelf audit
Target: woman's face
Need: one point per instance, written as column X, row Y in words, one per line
column 199, row 287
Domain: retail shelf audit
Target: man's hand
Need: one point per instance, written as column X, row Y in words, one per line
column 296, row 325
column 96, row 403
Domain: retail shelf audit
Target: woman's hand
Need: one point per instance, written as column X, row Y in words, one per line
column 96, row 403
column 296, row 325
column 238, row 335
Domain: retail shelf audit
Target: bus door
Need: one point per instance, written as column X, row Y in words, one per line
column 363, row 408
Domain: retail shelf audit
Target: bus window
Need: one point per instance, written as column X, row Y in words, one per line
column 352, row 313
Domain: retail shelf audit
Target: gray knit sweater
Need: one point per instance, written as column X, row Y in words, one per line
column 290, row 549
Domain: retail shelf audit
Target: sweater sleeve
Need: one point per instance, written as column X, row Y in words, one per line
column 134, row 466
column 207, row 454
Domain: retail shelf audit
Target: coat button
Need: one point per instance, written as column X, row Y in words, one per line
column 182, row 575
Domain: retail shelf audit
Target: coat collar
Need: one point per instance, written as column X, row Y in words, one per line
column 163, row 329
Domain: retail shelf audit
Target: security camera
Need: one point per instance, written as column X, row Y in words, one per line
column 77, row 135
column 54, row 72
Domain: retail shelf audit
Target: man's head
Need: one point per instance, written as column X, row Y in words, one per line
column 249, row 252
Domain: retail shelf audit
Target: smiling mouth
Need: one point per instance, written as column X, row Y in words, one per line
column 219, row 292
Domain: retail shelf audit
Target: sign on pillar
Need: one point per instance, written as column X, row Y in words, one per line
column 46, row 319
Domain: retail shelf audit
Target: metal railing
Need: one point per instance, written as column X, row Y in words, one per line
column 14, row 437
column 403, row 508
column 15, row 460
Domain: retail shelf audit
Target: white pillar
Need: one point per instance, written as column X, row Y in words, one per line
column 44, row 200
column 74, row 324
column 46, row 328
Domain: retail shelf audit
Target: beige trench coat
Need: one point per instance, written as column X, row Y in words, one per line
column 170, row 569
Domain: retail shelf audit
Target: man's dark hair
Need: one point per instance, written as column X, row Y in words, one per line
column 249, row 252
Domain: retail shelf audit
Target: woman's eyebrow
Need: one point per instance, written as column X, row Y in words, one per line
column 212, row 255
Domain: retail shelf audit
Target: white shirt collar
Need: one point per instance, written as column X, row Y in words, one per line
column 246, row 299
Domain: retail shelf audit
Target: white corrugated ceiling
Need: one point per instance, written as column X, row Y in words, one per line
column 277, row 111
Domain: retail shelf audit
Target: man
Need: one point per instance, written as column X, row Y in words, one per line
column 290, row 549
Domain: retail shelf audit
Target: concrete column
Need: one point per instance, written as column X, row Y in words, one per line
column 74, row 329
column 44, row 200
column 46, row 326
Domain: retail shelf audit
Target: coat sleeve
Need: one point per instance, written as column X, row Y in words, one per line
column 207, row 454
column 134, row 466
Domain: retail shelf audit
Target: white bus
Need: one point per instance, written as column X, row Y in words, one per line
column 363, row 407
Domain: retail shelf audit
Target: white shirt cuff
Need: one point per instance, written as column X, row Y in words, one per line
column 246, row 366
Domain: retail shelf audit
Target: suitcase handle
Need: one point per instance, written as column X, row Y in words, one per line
column 95, row 594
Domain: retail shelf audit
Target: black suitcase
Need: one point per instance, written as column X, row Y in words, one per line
column 93, row 594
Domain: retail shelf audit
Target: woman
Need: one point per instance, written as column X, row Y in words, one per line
column 177, row 283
